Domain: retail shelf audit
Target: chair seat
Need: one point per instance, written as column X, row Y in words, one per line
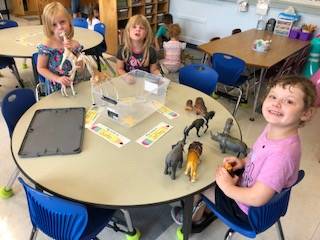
column 237, row 226
column 5, row 61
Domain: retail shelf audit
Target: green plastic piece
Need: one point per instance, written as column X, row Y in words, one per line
column 179, row 233
column 24, row 66
column 5, row 193
column 215, row 96
column 244, row 105
column 134, row 237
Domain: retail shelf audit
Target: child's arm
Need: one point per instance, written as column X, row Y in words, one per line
column 120, row 67
column 154, row 69
column 257, row 195
column 45, row 72
column 156, row 43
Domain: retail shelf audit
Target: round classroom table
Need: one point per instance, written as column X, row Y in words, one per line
column 131, row 176
column 21, row 42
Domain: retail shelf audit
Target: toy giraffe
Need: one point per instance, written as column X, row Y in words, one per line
column 97, row 78
column 68, row 55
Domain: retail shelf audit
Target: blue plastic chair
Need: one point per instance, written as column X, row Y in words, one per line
column 9, row 61
column 80, row 22
column 230, row 69
column 14, row 105
column 42, row 87
column 200, row 77
column 260, row 218
column 62, row 219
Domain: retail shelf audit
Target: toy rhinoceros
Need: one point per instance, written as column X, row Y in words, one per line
column 174, row 159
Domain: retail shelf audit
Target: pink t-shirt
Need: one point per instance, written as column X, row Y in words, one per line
column 274, row 163
column 172, row 55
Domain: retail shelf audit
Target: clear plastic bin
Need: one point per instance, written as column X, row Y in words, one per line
column 123, row 13
column 132, row 97
column 160, row 17
column 148, row 1
column 149, row 10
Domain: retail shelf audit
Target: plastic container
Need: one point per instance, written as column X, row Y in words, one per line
column 149, row 10
column 305, row 36
column 122, row 4
column 148, row 1
column 132, row 97
column 149, row 18
column 294, row 33
column 123, row 13
column 160, row 17
column 136, row 2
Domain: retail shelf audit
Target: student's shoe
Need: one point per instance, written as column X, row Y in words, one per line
column 164, row 69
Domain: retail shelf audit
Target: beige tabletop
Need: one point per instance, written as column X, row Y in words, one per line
column 22, row 41
column 129, row 176
column 240, row 45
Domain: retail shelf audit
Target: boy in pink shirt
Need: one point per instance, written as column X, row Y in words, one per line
column 273, row 163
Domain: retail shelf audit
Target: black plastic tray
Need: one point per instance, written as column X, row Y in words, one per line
column 54, row 132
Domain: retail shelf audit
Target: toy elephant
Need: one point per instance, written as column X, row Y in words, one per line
column 230, row 143
column 174, row 159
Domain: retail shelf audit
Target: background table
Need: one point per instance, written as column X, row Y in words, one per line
column 131, row 176
column 22, row 41
column 241, row 44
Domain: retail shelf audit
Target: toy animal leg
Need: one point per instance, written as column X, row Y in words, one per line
column 173, row 172
column 64, row 91
column 207, row 126
column 193, row 175
column 186, row 172
column 198, row 132
column 180, row 164
column 166, row 172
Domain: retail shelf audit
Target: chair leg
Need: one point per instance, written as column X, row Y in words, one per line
column 238, row 103
column 6, row 192
column 228, row 234
column 15, row 71
column 280, row 231
column 33, row 234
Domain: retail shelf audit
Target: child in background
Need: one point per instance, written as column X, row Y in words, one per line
column 56, row 20
column 162, row 33
column 172, row 50
column 274, row 161
column 93, row 17
column 137, row 53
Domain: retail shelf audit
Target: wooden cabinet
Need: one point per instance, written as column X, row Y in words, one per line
column 24, row 7
column 115, row 14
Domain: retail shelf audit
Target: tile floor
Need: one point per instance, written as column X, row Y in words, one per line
column 301, row 222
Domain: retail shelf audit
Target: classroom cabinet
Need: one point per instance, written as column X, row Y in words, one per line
column 115, row 14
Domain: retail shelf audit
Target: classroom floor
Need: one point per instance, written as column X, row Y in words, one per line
column 302, row 220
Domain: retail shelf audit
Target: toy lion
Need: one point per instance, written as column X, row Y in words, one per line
column 193, row 160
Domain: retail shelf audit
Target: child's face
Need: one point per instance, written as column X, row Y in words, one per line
column 60, row 24
column 137, row 33
column 284, row 107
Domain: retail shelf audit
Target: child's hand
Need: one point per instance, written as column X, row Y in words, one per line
column 235, row 162
column 224, row 179
column 64, row 80
column 67, row 44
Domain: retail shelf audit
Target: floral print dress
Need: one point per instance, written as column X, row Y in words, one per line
column 55, row 57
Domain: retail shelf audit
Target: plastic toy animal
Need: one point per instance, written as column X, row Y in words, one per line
column 227, row 126
column 97, row 78
column 199, row 106
column 174, row 159
column 193, row 160
column 199, row 124
column 189, row 105
column 230, row 143
column 68, row 55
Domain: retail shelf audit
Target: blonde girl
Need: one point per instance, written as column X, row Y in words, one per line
column 137, row 53
column 56, row 20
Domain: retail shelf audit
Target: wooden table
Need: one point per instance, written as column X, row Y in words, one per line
column 131, row 176
column 241, row 44
column 21, row 42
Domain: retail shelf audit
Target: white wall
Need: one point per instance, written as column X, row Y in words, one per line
column 204, row 19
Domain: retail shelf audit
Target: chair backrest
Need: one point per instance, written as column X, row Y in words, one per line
column 37, row 76
column 200, row 77
column 56, row 217
column 263, row 217
column 228, row 67
column 100, row 28
column 80, row 22
column 14, row 105
column 7, row 24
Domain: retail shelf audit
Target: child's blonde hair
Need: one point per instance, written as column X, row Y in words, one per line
column 174, row 30
column 50, row 12
column 127, row 48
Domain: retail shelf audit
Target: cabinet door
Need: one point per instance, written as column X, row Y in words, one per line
column 32, row 6
column 17, row 7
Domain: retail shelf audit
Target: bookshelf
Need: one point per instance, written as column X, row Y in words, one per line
column 115, row 14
